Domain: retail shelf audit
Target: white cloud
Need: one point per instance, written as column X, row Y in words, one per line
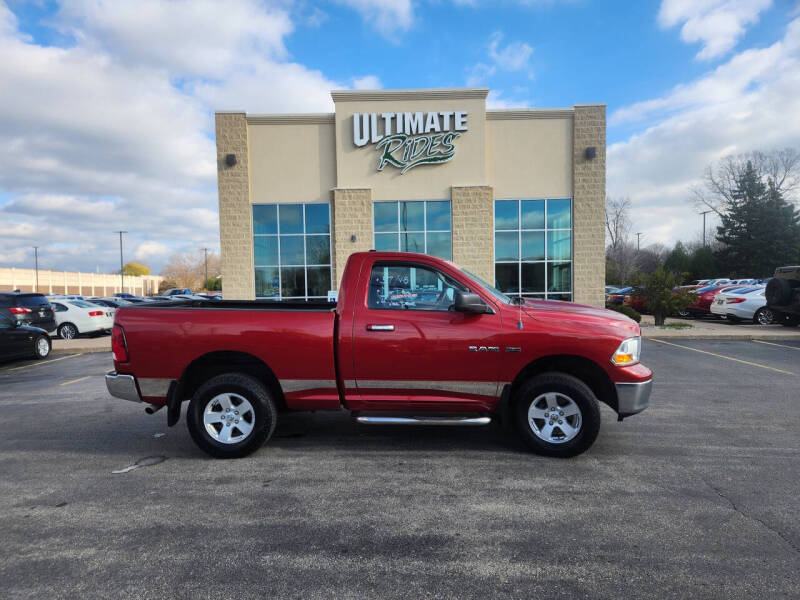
column 748, row 103
column 513, row 57
column 480, row 73
column 717, row 24
column 367, row 82
column 150, row 250
column 387, row 16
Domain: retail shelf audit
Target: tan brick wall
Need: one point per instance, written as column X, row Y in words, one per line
column 235, row 213
column 473, row 228
column 589, row 193
column 352, row 215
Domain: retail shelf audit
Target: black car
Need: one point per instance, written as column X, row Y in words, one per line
column 109, row 302
column 28, row 309
column 17, row 340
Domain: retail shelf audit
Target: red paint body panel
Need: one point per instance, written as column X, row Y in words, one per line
column 424, row 364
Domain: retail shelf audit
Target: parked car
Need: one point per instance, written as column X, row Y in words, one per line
column 413, row 339
column 176, row 291
column 783, row 296
column 618, row 297
column 28, row 309
column 720, row 281
column 188, row 297
column 112, row 303
column 610, row 289
column 705, row 296
column 743, row 304
column 125, row 295
column 75, row 317
column 745, row 281
column 18, row 340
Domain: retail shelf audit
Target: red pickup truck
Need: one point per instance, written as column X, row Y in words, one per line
column 413, row 339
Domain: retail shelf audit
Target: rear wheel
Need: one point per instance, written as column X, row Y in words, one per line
column 67, row 331
column 231, row 415
column 763, row 316
column 41, row 347
column 557, row 415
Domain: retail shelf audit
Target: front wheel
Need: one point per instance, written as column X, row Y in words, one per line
column 557, row 415
column 67, row 331
column 763, row 316
column 231, row 415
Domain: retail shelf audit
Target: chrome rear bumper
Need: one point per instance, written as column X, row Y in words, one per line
column 633, row 398
column 122, row 386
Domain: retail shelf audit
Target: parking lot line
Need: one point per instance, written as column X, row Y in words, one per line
column 774, row 344
column 739, row 360
column 47, row 362
column 75, row 380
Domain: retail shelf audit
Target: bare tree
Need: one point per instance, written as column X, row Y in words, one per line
column 618, row 222
column 782, row 167
column 188, row 270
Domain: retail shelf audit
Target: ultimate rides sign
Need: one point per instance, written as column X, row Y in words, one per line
column 410, row 139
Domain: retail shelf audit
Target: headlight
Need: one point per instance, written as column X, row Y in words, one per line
column 628, row 352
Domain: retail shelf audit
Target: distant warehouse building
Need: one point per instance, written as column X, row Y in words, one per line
column 515, row 196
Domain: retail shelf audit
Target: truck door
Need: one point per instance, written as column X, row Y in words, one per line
column 411, row 350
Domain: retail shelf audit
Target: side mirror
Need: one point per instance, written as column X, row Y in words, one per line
column 469, row 303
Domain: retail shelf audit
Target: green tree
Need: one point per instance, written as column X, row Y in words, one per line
column 678, row 260
column 657, row 289
column 703, row 264
column 759, row 230
column 214, row 284
column 134, row 269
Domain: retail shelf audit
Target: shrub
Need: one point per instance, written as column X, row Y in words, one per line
column 628, row 311
column 657, row 289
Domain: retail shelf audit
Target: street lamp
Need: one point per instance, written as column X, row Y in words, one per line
column 205, row 281
column 36, row 266
column 704, row 213
column 121, row 273
column 638, row 235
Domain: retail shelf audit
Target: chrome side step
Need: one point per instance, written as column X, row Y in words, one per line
column 373, row 420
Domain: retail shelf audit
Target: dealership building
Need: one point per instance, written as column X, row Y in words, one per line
column 515, row 196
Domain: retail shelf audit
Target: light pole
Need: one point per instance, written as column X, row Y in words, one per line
column 121, row 274
column 704, row 213
column 36, row 266
column 205, row 253
column 638, row 235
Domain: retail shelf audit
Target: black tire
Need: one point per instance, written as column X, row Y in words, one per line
column 764, row 316
column 39, row 347
column 574, row 389
column 684, row 314
column 250, row 388
column 778, row 292
column 789, row 320
column 67, row 331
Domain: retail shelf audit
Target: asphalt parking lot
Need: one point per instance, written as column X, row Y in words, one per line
column 699, row 496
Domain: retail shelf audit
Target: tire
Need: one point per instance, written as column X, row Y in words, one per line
column 67, row 331
column 763, row 316
column 544, row 391
column 733, row 320
column 242, row 392
column 684, row 314
column 41, row 347
column 778, row 292
column 789, row 320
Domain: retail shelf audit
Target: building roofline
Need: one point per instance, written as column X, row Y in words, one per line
column 409, row 94
column 293, row 119
column 508, row 114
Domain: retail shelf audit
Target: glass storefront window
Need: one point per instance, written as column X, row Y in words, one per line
column 533, row 247
column 292, row 251
column 421, row 226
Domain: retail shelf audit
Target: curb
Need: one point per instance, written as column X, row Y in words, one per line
column 89, row 350
column 728, row 336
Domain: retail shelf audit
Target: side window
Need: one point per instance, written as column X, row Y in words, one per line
column 59, row 307
column 409, row 287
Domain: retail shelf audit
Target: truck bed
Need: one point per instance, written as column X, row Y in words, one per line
column 312, row 305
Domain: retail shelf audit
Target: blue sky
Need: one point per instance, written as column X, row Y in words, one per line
column 107, row 107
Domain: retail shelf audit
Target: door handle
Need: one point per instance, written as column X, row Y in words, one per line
column 380, row 327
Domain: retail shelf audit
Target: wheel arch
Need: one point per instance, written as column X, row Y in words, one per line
column 585, row 369
column 211, row 364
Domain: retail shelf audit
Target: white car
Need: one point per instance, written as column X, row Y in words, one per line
column 74, row 317
column 743, row 304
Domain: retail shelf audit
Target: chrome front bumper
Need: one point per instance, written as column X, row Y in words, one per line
column 122, row 386
column 633, row 398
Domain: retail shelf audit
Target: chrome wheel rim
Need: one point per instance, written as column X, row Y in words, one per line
column 765, row 316
column 229, row 418
column 42, row 347
column 554, row 418
column 68, row 332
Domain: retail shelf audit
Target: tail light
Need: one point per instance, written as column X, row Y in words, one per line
column 734, row 300
column 96, row 313
column 118, row 346
column 18, row 310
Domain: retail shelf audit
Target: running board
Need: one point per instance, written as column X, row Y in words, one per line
column 373, row 420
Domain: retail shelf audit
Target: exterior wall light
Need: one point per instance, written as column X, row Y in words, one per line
column 590, row 153
column 230, row 159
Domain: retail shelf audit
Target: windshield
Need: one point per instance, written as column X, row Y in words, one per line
column 489, row 288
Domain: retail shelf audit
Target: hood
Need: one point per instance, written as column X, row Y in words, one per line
column 582, row 314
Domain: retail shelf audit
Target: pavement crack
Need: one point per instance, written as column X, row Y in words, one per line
column 735, row 508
